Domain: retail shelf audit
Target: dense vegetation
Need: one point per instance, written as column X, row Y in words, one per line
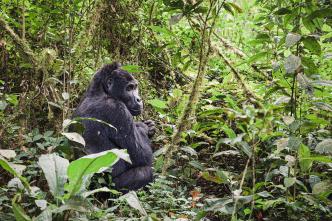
column 241, row 92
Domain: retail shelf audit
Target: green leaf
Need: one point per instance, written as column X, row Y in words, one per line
column 322, row 83
column 19, row 212
column 158, row 103
column 91, row 164
column 132, row 68
column 161, row 30
column 309, row 64
column 230, row 133
column 312, row 45
column 55, row 171
column 323, row 106
column 46, row 215
column 76, row 137
column 304, row 153
column 228, row 8
column 9, row 168
column 236, row 7
column 134, row 202
column 292, row 63
column 256, row 57
column 294, row 142
column 283, row 11
column 271, row 203
column 322, row 159
column 321, row 187
column 215, row 179
column 321, row 13
column 102, row 189
column 325, row 146
column 289, row 181
column 292, row 39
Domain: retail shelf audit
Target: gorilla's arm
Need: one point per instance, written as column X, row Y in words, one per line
column 128, row 134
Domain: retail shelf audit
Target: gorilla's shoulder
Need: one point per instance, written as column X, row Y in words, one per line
column 99, row 105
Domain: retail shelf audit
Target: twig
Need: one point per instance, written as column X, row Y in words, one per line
column 241, row 185
column 237, row 75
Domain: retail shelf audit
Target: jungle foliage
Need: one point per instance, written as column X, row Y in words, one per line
column 241, row 92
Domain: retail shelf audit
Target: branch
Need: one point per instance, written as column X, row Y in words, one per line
column 205, row 51
column 21, row 43
column 237, row 75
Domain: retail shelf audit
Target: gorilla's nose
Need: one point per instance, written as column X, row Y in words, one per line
column 138, row 99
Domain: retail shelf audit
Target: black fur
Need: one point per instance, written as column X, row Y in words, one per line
column 108, row 100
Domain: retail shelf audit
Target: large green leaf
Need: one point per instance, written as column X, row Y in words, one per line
column 304, row 154
column 159, row 104
column 90, row 164
column 55, row 170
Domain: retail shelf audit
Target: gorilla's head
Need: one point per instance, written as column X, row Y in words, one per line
column 114, row 82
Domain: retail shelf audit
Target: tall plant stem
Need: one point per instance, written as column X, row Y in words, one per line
column 204, row 53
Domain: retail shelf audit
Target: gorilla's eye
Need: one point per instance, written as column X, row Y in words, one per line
column 130, row 87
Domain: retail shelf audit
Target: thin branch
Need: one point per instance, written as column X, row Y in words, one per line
column 204, row 53
column 237, row 75
column 240, row 188
column 21, row 43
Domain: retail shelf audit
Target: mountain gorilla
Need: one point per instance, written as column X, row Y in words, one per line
column 113, row 98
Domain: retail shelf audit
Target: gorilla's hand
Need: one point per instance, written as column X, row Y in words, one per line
column 151, row 126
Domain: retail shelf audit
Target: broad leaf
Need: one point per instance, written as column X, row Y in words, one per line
column 158, row 103
column 55, row 171
column 321, row 13
column 76, row 137
column 304, row 154
column 134, row 202
column 88, row 165
column 289, row 181
column 292, row 63
column 9, row 168
column 8, row 154
column 312, row 45
column 292, row 39
column 102, row 189
column 323, row 83
column 321, row 187
column 324, row 147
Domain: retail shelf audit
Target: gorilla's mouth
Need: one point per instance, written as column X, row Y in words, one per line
column 136, row 112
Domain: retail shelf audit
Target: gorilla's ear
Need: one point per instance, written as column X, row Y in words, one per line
column 108, row 84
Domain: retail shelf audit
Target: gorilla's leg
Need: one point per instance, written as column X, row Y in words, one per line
column 134, row 178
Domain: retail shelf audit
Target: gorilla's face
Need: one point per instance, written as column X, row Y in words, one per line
column 124, row 87
column 133, row 102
